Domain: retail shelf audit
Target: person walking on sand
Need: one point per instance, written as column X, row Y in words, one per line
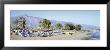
column 24, row 33
column 29, row 33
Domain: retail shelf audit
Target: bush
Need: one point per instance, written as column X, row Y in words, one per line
column 78, row 27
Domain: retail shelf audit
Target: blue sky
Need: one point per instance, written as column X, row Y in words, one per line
column 89, row 17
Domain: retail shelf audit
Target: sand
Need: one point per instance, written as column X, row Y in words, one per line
column 75, row 36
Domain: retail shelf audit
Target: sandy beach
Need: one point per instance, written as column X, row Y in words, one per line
column 75, row 36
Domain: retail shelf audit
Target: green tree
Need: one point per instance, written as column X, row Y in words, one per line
column 58, row 26
column 69, row 26
column 78, row 27
column 45, row 23
column 20, row 23
column 52, row 27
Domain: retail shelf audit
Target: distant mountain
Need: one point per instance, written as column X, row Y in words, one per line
column 89, row 27
column 33, row 22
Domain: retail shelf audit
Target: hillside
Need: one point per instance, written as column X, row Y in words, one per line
column 33, row 22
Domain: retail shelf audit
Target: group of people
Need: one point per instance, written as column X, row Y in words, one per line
column 26, row 32
column 22, row 32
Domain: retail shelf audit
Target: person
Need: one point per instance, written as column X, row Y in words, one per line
column 19, row 33
column 12, row 32
column 30, row 33
column 24, row 33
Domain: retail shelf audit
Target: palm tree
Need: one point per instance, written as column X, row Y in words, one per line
column 69, row 26
column 45, row 23
column 58, row 26
column 78, row 27
column 21, row 23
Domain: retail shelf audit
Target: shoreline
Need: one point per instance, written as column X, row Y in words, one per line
column 75, row 36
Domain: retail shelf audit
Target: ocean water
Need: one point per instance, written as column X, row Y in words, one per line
column 95, row 36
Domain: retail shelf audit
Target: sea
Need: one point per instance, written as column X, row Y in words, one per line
column 95, row 36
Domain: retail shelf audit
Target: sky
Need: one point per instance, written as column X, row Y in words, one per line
column 89, row 17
